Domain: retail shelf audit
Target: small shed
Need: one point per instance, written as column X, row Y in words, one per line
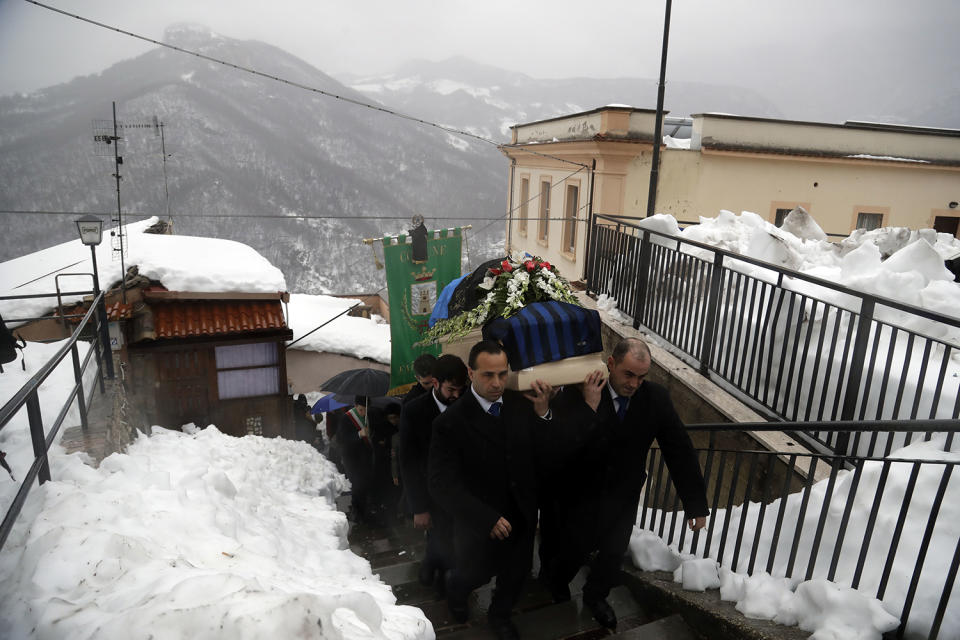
column 211, row 358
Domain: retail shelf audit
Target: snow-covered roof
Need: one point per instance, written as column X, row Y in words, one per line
column 347, row 335
column 180, row 263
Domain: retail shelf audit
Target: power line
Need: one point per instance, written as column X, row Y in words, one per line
column 353, row 101
column 268, row 216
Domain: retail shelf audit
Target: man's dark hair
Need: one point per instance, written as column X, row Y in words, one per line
column 634, row 346
column 360, row 401
column 392, row 409
column 484, row 346
column 450, row 368
column 423, row 365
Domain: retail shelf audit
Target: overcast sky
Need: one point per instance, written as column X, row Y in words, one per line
column 857, row 51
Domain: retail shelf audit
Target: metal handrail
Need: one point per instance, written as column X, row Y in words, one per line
column 786, row 352
column 762, row 482
column 841, row 426
column 887, row 302
column 28, row 396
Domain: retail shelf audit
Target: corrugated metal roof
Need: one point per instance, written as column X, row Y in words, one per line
column 188, row 319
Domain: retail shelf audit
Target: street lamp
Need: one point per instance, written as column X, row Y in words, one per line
column 91, row 230
column 91, row 234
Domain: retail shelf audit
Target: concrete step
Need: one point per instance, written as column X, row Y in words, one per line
column 415, row 594
column 400, row 573
column 552, row 621
column 669, row 628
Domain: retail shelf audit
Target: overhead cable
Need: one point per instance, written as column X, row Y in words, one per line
column 268, row 216
column 292, row 83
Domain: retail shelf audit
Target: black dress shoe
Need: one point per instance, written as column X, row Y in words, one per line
column 503, row 628
column 426, row 573
column 602, row 613
column 441, row 584
column 458, row 608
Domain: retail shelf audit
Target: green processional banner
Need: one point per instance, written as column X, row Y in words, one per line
column 412, row 292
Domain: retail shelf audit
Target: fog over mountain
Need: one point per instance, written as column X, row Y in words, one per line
column 489, row 100
column 243, row 145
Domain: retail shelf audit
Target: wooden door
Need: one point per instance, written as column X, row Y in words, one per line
column 183, row 386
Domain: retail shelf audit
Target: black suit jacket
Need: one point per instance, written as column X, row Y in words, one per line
column 482, row 468
column 611, row 464
column 416, row 429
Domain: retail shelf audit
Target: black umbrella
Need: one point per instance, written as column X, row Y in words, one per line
column 359, row 382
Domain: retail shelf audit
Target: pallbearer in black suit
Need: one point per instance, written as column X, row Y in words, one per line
column 449, row 376
column 483, row 471
column 598, row 496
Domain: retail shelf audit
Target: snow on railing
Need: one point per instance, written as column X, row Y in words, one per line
column 795, row 346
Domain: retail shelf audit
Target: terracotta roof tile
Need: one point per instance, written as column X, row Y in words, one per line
column 189, row 319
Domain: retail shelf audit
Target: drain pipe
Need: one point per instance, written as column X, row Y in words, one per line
column 658, row 126
column 513, row 172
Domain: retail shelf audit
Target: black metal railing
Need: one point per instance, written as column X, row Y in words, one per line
column 769, row 513
column 793, row 346
column 28, row 396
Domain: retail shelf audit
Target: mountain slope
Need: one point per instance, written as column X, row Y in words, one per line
column 242, row 145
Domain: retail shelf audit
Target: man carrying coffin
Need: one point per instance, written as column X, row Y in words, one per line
column 449, row 376
column 597, row 498
column 482, row 471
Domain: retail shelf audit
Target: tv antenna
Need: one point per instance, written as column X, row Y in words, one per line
column 158, row 127
column 106, row 142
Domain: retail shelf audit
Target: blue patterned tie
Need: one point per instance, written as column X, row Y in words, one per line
column 494, row 409
column 622, row 407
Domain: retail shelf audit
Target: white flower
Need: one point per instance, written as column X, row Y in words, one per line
column 522, row 276
column 487, row 283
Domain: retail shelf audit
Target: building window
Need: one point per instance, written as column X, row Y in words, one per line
column 248, row 370
column 572, row 206
column 869, row 221
column 524, row 208
column 947, row 224
column 544, row 211
column 781, row 215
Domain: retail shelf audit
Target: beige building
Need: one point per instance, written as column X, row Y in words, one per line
column 849, row 176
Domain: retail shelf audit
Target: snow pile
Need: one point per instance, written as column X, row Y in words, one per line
column 790, row 601
column 180, row 263
column 898, row 264
column 347, row 335
column 909, row 267
column 609, row 305
column 676, row 143
column 194, row 536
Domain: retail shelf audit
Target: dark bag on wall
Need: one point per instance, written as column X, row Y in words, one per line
column 546, row 331
column 8, row 345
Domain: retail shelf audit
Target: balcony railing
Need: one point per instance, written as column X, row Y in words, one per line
column 793, row 346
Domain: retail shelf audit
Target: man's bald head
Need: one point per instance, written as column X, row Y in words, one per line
column 634, row 346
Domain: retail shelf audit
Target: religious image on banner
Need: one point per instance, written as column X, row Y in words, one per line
column 413, row 285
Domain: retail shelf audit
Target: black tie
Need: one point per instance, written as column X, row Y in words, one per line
column 494, row 409
column 622, row 407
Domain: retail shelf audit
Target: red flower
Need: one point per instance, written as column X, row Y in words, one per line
column 496, row 272
column 545, row 265
column 530, row 265
column 506, row 266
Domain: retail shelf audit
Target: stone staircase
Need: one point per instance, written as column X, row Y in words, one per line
column 395, row 551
